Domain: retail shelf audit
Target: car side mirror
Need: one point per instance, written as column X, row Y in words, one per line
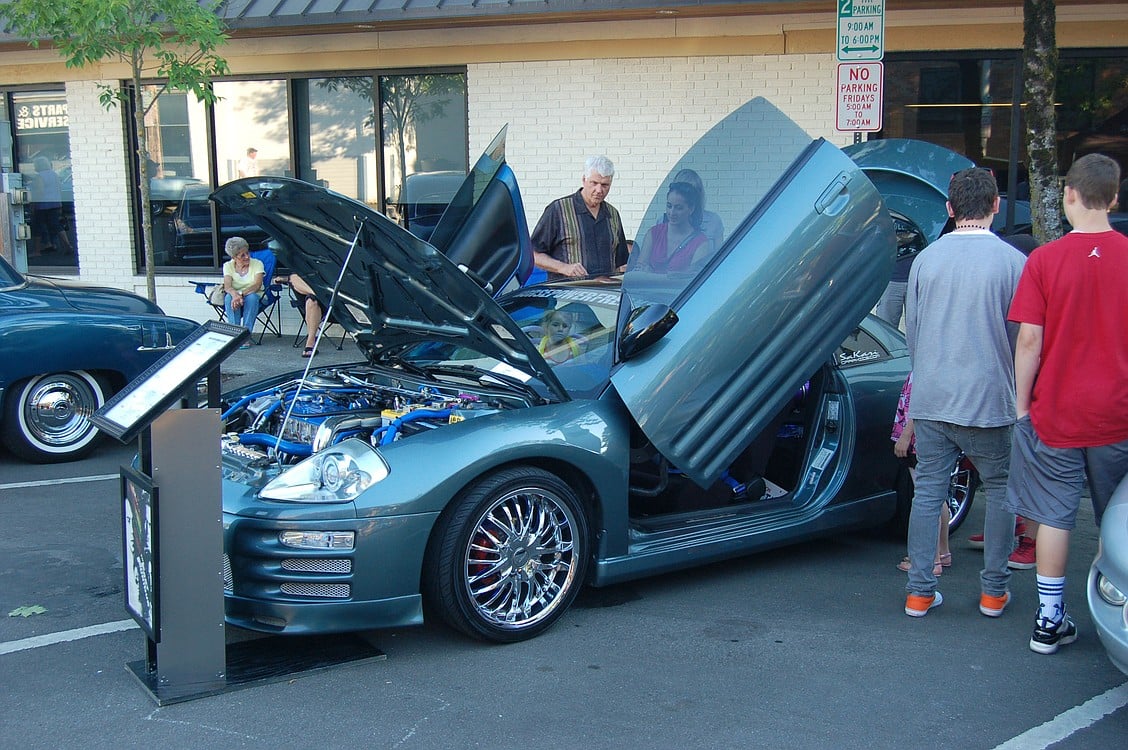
column 645, row 326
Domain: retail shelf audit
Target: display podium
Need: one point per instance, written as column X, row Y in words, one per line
column 172, row 533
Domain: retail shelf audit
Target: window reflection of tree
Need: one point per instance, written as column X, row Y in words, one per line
column 405, row 102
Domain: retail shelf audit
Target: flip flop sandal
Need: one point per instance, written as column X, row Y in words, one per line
column 937, row 570
column 307, row 353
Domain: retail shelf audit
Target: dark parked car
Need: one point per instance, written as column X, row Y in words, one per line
column 190, row 229
column 478, row 469
column 68, row 347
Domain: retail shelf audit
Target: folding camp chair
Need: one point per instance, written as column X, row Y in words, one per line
column 299, row 304
column 269, row 316
column 208, row 290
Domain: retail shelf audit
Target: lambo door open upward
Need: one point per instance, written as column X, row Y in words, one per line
column 808, row 250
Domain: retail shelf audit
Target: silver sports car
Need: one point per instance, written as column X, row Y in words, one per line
column 492, row 453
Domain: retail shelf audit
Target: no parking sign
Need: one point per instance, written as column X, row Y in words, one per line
column 859, row 96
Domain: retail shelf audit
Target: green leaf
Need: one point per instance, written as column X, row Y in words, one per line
column 34, row 609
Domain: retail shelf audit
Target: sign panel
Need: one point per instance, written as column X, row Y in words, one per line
column 861, row 30
column 859, row 95
column 149, row 394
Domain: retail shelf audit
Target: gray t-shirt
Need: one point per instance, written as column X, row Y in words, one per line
column 962, row 346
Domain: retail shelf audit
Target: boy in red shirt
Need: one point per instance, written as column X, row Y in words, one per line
column 1071, row 378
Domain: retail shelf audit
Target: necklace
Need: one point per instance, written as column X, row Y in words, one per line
column 971, row 226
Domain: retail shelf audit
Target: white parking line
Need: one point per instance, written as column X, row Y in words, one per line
column 65, row 636
column 64, row 480
column 1074, row 720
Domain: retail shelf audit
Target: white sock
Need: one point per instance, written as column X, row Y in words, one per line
column 1051, row 592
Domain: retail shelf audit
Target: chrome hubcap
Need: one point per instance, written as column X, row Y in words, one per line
column 57, row 410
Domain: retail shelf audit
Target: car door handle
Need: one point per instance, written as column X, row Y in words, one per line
column 834, row 199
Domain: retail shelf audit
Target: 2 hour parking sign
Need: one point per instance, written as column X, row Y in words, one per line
column 861, row 30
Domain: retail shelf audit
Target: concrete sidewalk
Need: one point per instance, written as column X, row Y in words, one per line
column 277, row 355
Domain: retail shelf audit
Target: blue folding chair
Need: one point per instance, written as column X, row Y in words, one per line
column 269, row 315
column 206, row 289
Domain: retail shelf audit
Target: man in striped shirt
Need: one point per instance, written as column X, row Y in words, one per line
column 581, row 234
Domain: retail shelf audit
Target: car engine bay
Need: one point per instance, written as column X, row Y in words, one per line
column 299, row 418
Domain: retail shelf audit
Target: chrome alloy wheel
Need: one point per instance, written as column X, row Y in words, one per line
column 520, row 559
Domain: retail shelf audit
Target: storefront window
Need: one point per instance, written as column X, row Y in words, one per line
column 965, row 103
column 42, row 156
column 322, row 130
column 179, row 180
column 342, row 136
column 425, row 149
column 1093, row 111
column 252, row 129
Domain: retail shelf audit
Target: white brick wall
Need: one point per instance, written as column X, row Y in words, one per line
column 642, row 113
column 101, row 188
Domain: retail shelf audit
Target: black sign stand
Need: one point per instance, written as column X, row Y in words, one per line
column 173, row 535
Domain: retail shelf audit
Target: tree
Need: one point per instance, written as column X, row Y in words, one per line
column 1040, row 62
column 174, row 41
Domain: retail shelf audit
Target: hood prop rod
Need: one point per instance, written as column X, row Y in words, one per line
column 320, row 332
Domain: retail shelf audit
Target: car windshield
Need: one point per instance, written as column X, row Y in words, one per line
column 571, row 326
column 699, row 211
column 9, row 277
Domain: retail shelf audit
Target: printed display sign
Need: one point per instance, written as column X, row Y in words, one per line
column 152, row 392
column 140, row 557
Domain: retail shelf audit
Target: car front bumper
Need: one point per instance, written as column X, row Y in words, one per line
column 272, row 587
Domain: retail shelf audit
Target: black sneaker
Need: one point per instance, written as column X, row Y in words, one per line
column 1048, row 635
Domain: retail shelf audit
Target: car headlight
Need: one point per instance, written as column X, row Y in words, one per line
column 1109, row 592
column 336, row 475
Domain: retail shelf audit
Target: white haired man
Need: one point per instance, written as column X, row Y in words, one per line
column 581, row 234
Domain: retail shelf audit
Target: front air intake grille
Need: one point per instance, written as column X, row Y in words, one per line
column 228, row 581
column 317, row 590
column 318, row 565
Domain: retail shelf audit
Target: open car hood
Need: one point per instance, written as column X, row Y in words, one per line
column 808, row 248
column 397, row 290
column 912, row 177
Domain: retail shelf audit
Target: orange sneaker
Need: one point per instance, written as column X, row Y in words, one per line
column 993, row 606
column 918, row 606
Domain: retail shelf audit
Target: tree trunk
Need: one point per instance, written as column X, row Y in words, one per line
column 1039, row 61
column 145, row 186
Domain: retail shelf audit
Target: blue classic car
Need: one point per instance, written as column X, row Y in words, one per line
column 64, row 349
column 491, row 456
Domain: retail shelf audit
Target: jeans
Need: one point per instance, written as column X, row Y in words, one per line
column 891, row 306
column 246, row 315
column 938, row 444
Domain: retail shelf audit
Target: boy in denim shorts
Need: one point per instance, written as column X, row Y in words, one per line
column 1071, row 377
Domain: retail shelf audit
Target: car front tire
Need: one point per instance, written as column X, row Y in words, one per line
column 508, row 557
column 47, row 417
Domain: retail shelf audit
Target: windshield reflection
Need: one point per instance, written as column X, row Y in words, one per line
column 699, row 211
